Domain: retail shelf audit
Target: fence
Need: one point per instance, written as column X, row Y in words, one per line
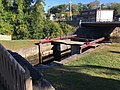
column 12, row 74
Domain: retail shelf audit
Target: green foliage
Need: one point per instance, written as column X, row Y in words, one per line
column 5, row 27
column 96, row 5
column 21, row 19
column 51, row 29
column 74, row 9
column 24, row 20
column 115, row 6
column 58, row 9
column 91, row 5
column 48, row 16
column 64, row 9
column 36, row 21
column 66, row 29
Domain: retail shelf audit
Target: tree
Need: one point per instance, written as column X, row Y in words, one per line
column 102, row 6
column 58, row 9
column 19, row 23
column 66, row 29
column 22, row 18
column 85, row 7
column 80, row 6
column 74, row 9
column 91, row 6
column 5, row 27
column 51, row 29
column 64, row 9
column 36, row 20
column 47, row 16
column 115, row 6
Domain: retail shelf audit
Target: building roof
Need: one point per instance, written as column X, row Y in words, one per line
column 96, row 10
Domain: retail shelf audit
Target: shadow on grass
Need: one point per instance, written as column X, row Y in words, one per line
column 71, row 78
column 101, row 67
column 115, row 52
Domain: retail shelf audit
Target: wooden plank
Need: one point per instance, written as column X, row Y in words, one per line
column 95, row 45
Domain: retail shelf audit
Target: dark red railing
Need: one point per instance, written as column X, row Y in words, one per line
column 59, row 38
column 92, row 42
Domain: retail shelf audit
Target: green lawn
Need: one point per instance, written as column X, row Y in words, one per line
column 99, row 70
column 18, row 44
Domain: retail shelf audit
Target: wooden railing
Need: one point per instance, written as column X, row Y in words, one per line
column 12, row 74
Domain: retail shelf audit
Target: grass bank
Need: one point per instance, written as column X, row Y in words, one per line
column 99, row 70
column 18, row 44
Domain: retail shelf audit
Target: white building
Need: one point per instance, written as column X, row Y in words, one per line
column 97, row 15
column 52, row 17
column 104, row 15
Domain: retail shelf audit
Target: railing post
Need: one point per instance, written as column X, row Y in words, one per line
column 80, row 23
column 39, row 52
column 40, row 55
column 56, row 51
column 29, row 84
column 75, row 49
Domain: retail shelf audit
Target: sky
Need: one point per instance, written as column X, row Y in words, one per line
column 50, row 3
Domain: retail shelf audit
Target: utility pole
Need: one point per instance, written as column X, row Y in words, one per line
column 70, row 10
column 100, row 14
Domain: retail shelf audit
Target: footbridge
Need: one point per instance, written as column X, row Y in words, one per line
column 96, row 29
column 68, row 45
column 100, row 24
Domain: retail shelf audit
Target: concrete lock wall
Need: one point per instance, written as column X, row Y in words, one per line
column 46, row 49
column 5, row 37
column 26, row 52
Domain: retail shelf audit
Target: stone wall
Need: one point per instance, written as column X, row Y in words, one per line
column 5, row 37
column 116, row 32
